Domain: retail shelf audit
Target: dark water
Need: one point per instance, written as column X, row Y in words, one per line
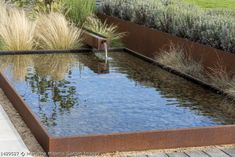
column 78, row 94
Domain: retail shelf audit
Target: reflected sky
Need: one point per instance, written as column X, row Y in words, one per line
column 79, row 94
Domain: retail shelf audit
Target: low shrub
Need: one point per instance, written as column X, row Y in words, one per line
column 34, row 8
column 79, row 10
column 46, row 7
column 53, row 31
column 213, row 27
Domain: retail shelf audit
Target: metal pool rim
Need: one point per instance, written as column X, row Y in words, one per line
column 132, row 141
column 81, row 50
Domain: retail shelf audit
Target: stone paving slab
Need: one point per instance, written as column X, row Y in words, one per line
column 215, row 152
column 177, row 154
column 196, row 154
column 230, row 151
column 10, row 140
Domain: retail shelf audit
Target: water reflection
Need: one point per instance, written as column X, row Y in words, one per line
column 125, row 94
column 53, row 97
column 18, row 65
column 171, row 86
column 55, row 66
column 96, row 62
column 49, row 80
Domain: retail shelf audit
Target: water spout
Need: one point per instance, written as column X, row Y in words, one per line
column 106, row 51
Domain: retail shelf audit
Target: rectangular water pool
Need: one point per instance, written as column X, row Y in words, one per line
column 81, row 94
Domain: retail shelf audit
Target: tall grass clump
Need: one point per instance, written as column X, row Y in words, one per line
column 110, row 31
column 79, row 10
column 3, row 16
column 3, row 10
column 213, row 27
column 177, row 59
column 53, row 31
column 16, row 30
column 220, row 77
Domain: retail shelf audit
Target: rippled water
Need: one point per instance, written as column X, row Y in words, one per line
column 79, row 94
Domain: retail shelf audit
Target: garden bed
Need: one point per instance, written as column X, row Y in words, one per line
column 150, row 42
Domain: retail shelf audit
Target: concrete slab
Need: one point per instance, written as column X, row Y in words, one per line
column 10, row 140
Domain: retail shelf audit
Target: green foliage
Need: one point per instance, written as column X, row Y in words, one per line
column 79, row 10
column 213, row 27
column 36, row 7
column 43, row 7
column 110, row 31
column 23, row 3
column 213, row 3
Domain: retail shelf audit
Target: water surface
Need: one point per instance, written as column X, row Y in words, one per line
column 80, row 94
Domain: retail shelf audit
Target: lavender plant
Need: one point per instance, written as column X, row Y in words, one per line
column 213, row 27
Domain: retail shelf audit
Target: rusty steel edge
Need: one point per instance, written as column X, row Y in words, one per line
column 82, row 50
column 93, row 39
column 137, row 141
column 26, row 113
column 150, row 42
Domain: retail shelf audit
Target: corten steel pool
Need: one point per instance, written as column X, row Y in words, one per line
column 83, row 103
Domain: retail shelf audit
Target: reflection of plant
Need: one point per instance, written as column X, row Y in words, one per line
column 79, row 10
column 19, row 65
column 16, row 30
column 171, row 86
column 48, row 81
column 53, row 31
column 54, row 65
column 110, row 31
column 55, row 97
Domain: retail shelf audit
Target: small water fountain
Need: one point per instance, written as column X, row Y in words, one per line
column 106, row 51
